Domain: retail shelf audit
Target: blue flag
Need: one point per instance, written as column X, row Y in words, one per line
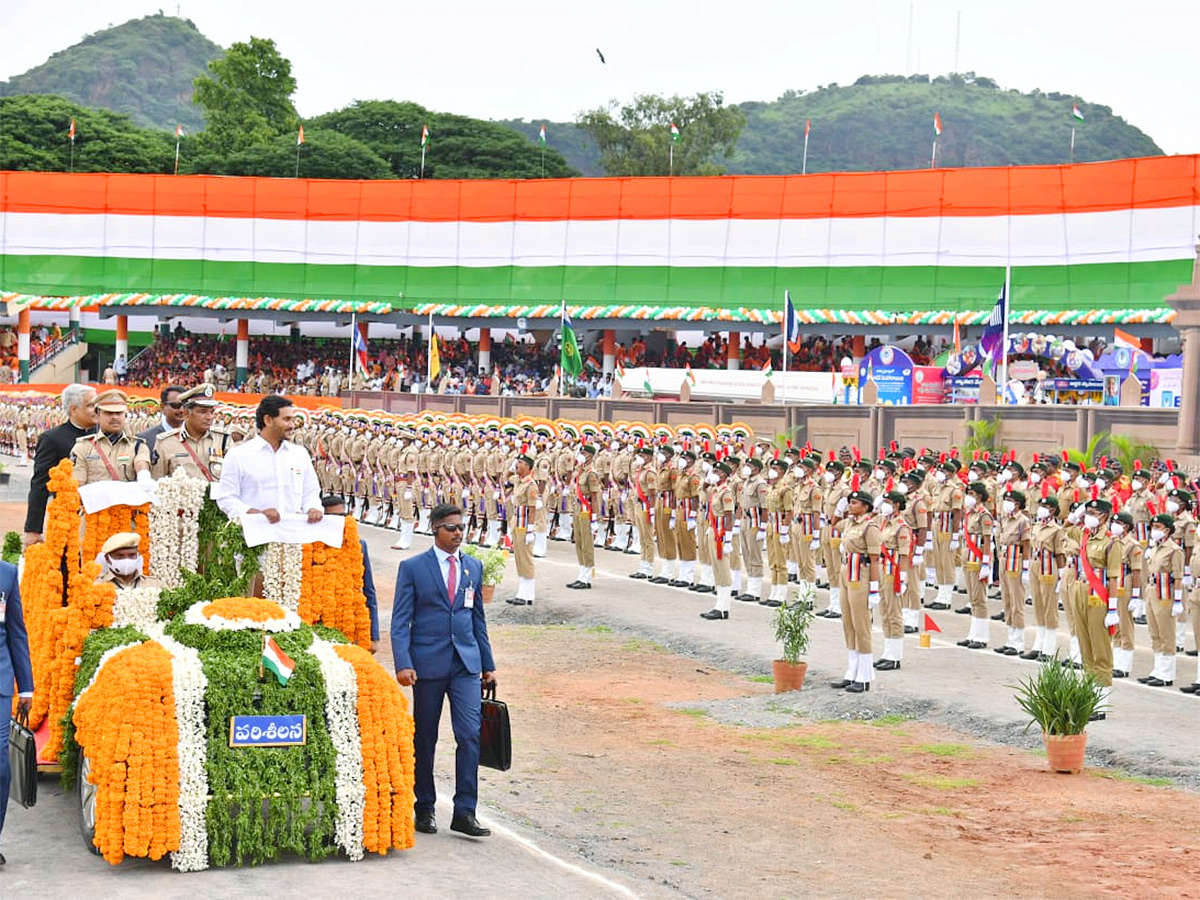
column 791, row 323
column 993, row 334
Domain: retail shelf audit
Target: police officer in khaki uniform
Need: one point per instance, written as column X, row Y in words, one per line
column 860, row 547
column 112, row 453
column 587, row 510
column 687, row 501
column 194, row 447
column 122, row 563
column 722, row 511
column 522, row 510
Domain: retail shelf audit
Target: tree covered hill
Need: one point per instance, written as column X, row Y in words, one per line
column 142, row 68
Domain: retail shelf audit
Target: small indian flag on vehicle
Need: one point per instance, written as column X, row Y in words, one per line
column 674, row 132
column 1076, row 113
column 276, row 660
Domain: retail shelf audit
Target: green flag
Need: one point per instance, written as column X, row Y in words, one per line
column 569, row 358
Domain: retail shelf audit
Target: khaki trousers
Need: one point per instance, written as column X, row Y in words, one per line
column 523, row 553
column 662, row 528
column 1095, row 645
column 585, row 548
column 856, row 614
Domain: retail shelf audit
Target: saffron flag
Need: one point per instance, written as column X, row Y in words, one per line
column 569, row 357
column 791, row 323
column 1076, row 113
column 993, row 334
column 931, row 625
column 807, row 127
column 424, row 135
column 435, row 358
column 360, row 348
column 1125, row 339
column 675, row 132
column 542, row 135
column 71, row 132
column 300, row 136
column 276, row 660
column 937, row 124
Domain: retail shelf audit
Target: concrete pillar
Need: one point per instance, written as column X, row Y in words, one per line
column 485, row 349
column 123, row 337
column 76, row 314
column 1186, row 303
column 609, row 362
column 733, row 359
column 242, row 352
column 23, row 326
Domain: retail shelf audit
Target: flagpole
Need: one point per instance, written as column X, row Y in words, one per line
column 176, row 154
column 353, row 355
column 422, row 175
column 671, row 164
column 298, row 146
column 783, row 392
column 1072, row 159
column 804, row 161
column 933, row 155
column 429, row 351
column 562, row 320
column 1004, row 345
column 72, row 152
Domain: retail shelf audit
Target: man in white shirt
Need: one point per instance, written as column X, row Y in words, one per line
column 269, row 474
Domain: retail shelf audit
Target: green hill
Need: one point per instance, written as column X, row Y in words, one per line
column 885, row 122
column 143, row 68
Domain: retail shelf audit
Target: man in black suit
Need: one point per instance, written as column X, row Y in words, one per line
column 173, row 414
column 79, row 402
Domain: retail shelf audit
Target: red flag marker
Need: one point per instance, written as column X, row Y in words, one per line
column 931, row 625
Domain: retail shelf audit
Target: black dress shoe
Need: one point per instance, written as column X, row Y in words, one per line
column 1158, row 682
column 910, row 629
column 714, row 614
column 939, row 606
column 706, row 589
column 858, row 687
column 575, row 585
column 823, row 613
column 841, row 685
column 1029, row 654
column 1193, row 688
column 747, row 598
column 1139, row 620
column 822, row 584
column 887, row 665
column 1145, row 679
column 1118, row 673
column 2, row 859
column 426, row 823
column 1097, row 717
column 1191, row 652
column 640, row 576
column 793, row 579
column 517, row 601
column 998, row 617
column 832, row 614
column 678, row 582
column 659, row 579
column 965, row 642
column 1044, row 658
column 693, row 587
column 632, row 552
column 977, row 645
column 468, row 825
column 767, row 601
column 963, row 611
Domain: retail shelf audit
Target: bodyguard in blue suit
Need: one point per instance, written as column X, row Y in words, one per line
column 15, row 669
column 441, row 649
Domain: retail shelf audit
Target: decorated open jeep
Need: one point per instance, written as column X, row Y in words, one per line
column 202, row 723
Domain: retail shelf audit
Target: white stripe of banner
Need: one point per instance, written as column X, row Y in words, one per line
column 1146, row 235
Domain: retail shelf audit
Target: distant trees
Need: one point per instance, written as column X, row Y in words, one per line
column 248, row 98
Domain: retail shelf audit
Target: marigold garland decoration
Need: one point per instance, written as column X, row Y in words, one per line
column 99, row 526
column 386, row 729
column 255, row 609
column 127, row 722
column 331, row 591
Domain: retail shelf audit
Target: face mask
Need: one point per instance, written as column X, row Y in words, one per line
column 1035, row 477
column 638, row 462
column 879, row 475
column 903, row 487
column 1091, row 522
column 1080, row 481
column 1101, row 483
column 706, row 467
column 1043, row 513
column 1004, row 476
column 746, row 472
column 125, row 567
column 940, row 477
column 1172, row 506
column 712, row 478
column 886, row 508
column 969, row 501
column 579, row 457
column 972, row 475
column 1137, row 484
column 615, row 445
column 1117, row 529
column 773, row 474
column 660, row 457
column 829, row 476
column 1009, row 507
column 1157, row 535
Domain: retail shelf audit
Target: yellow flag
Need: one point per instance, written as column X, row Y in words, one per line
column 435, row 358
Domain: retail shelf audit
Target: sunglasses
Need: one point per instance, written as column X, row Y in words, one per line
column 453, row 528
column 175, row 405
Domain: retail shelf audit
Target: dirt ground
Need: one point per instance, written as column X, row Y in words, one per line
column 616, row 758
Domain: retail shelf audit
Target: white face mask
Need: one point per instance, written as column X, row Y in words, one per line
column 1157, row 536
column 1137, row 484
column 1091, row 522
column 713, row 478
column 638, row 462
column 126, row 567
column 614, row 445
column 1009, row 507
column 972, row 475
column 969, row 501
column 886, row 508
column 829, row 477
column 1043, row 513
column 1172, row 506
column 1004, row 476
column 660, row 457
column 681, row 463
column 939, row 477
column 579, row 457
column 1101, row 483
column 1035, row 477
column 706, row 467
column 773, row 474
column 902, row 487
column 1117, row 529
column 880, row 474
column 1080, row 481
column 746, row 472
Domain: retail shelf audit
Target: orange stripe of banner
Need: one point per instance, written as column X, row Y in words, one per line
column 1150, row 183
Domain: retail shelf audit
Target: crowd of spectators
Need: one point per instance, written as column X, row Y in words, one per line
column 44, row 342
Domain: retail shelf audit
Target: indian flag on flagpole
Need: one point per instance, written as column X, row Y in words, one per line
column 1076, row 113
column 542, row 135
column 300, row 136
column 691, row 376
column 768, row 369
column 937, row 124
column 276, row 660
column 1130, row 343
column 675, row 132
column 647, row 387
column 424, row 135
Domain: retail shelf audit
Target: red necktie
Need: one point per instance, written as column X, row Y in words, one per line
column 452, row 580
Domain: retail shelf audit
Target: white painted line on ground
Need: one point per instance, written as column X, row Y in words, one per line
column 531, row 847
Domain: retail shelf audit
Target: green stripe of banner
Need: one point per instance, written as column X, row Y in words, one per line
column 866, row 288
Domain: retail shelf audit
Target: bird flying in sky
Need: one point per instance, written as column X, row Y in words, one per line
column 601, row 55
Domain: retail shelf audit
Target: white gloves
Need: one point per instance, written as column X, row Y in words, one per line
column 1177, row 609
column 1111, row 619
column 903, row 582
column 530, row 537
column 873, row 595
column 1025, row 574
column 918, row 558
column 815, row 543
column 954, row 541
column 539, row 504
column 691, row 523
column 783, row 537
column 672, row 522
column 842, row 506
column 985, row 572
column 762, row 535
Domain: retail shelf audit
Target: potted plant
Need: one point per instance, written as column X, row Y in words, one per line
column 495, row 561
column 11, row 552
column 5, row 475
column 791, row 630
column 1061, row 700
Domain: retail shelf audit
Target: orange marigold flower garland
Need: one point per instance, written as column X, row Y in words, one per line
column 331, row 591
column 386, row 730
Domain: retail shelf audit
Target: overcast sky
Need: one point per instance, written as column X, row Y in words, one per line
column 538, row 59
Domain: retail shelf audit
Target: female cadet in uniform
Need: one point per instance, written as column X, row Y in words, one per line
column 1162, row 575
column 860, row 546
column 977, row 551
column 1100, row 561
column 895, row 559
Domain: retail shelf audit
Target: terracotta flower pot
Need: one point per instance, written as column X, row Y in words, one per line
column 488, row 591
column 788, row 676
column 1064, row 752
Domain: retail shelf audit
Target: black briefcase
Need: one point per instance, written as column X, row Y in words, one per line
column 495, row 734
column 22, row 761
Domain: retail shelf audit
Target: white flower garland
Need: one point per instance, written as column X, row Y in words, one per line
column 281, row 570
column 194, row 615
column 189, row 684
column 136, row 606
column 341, row 715
column 175, row 527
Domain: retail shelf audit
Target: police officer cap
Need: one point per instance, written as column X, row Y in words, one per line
column 1016, row 497
column 896, row 498
column 526, row 458
column 1100, row 506
column 755, row 461
column 949, row 466
column 1184, row 497
column 917, row 476
column 1049, row 502
column 723, row 466
column 688, row 455
column 1125, row 519
column 835, row 466
column 781, row 464
column 200, row 395
column 125, row 540
column 112, row 401
column 979, row 489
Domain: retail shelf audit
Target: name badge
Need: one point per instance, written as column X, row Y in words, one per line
column 3, row 610
column 469, row 596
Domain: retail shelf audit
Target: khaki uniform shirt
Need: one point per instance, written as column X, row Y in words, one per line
column 173, row 454
column 90, row 452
